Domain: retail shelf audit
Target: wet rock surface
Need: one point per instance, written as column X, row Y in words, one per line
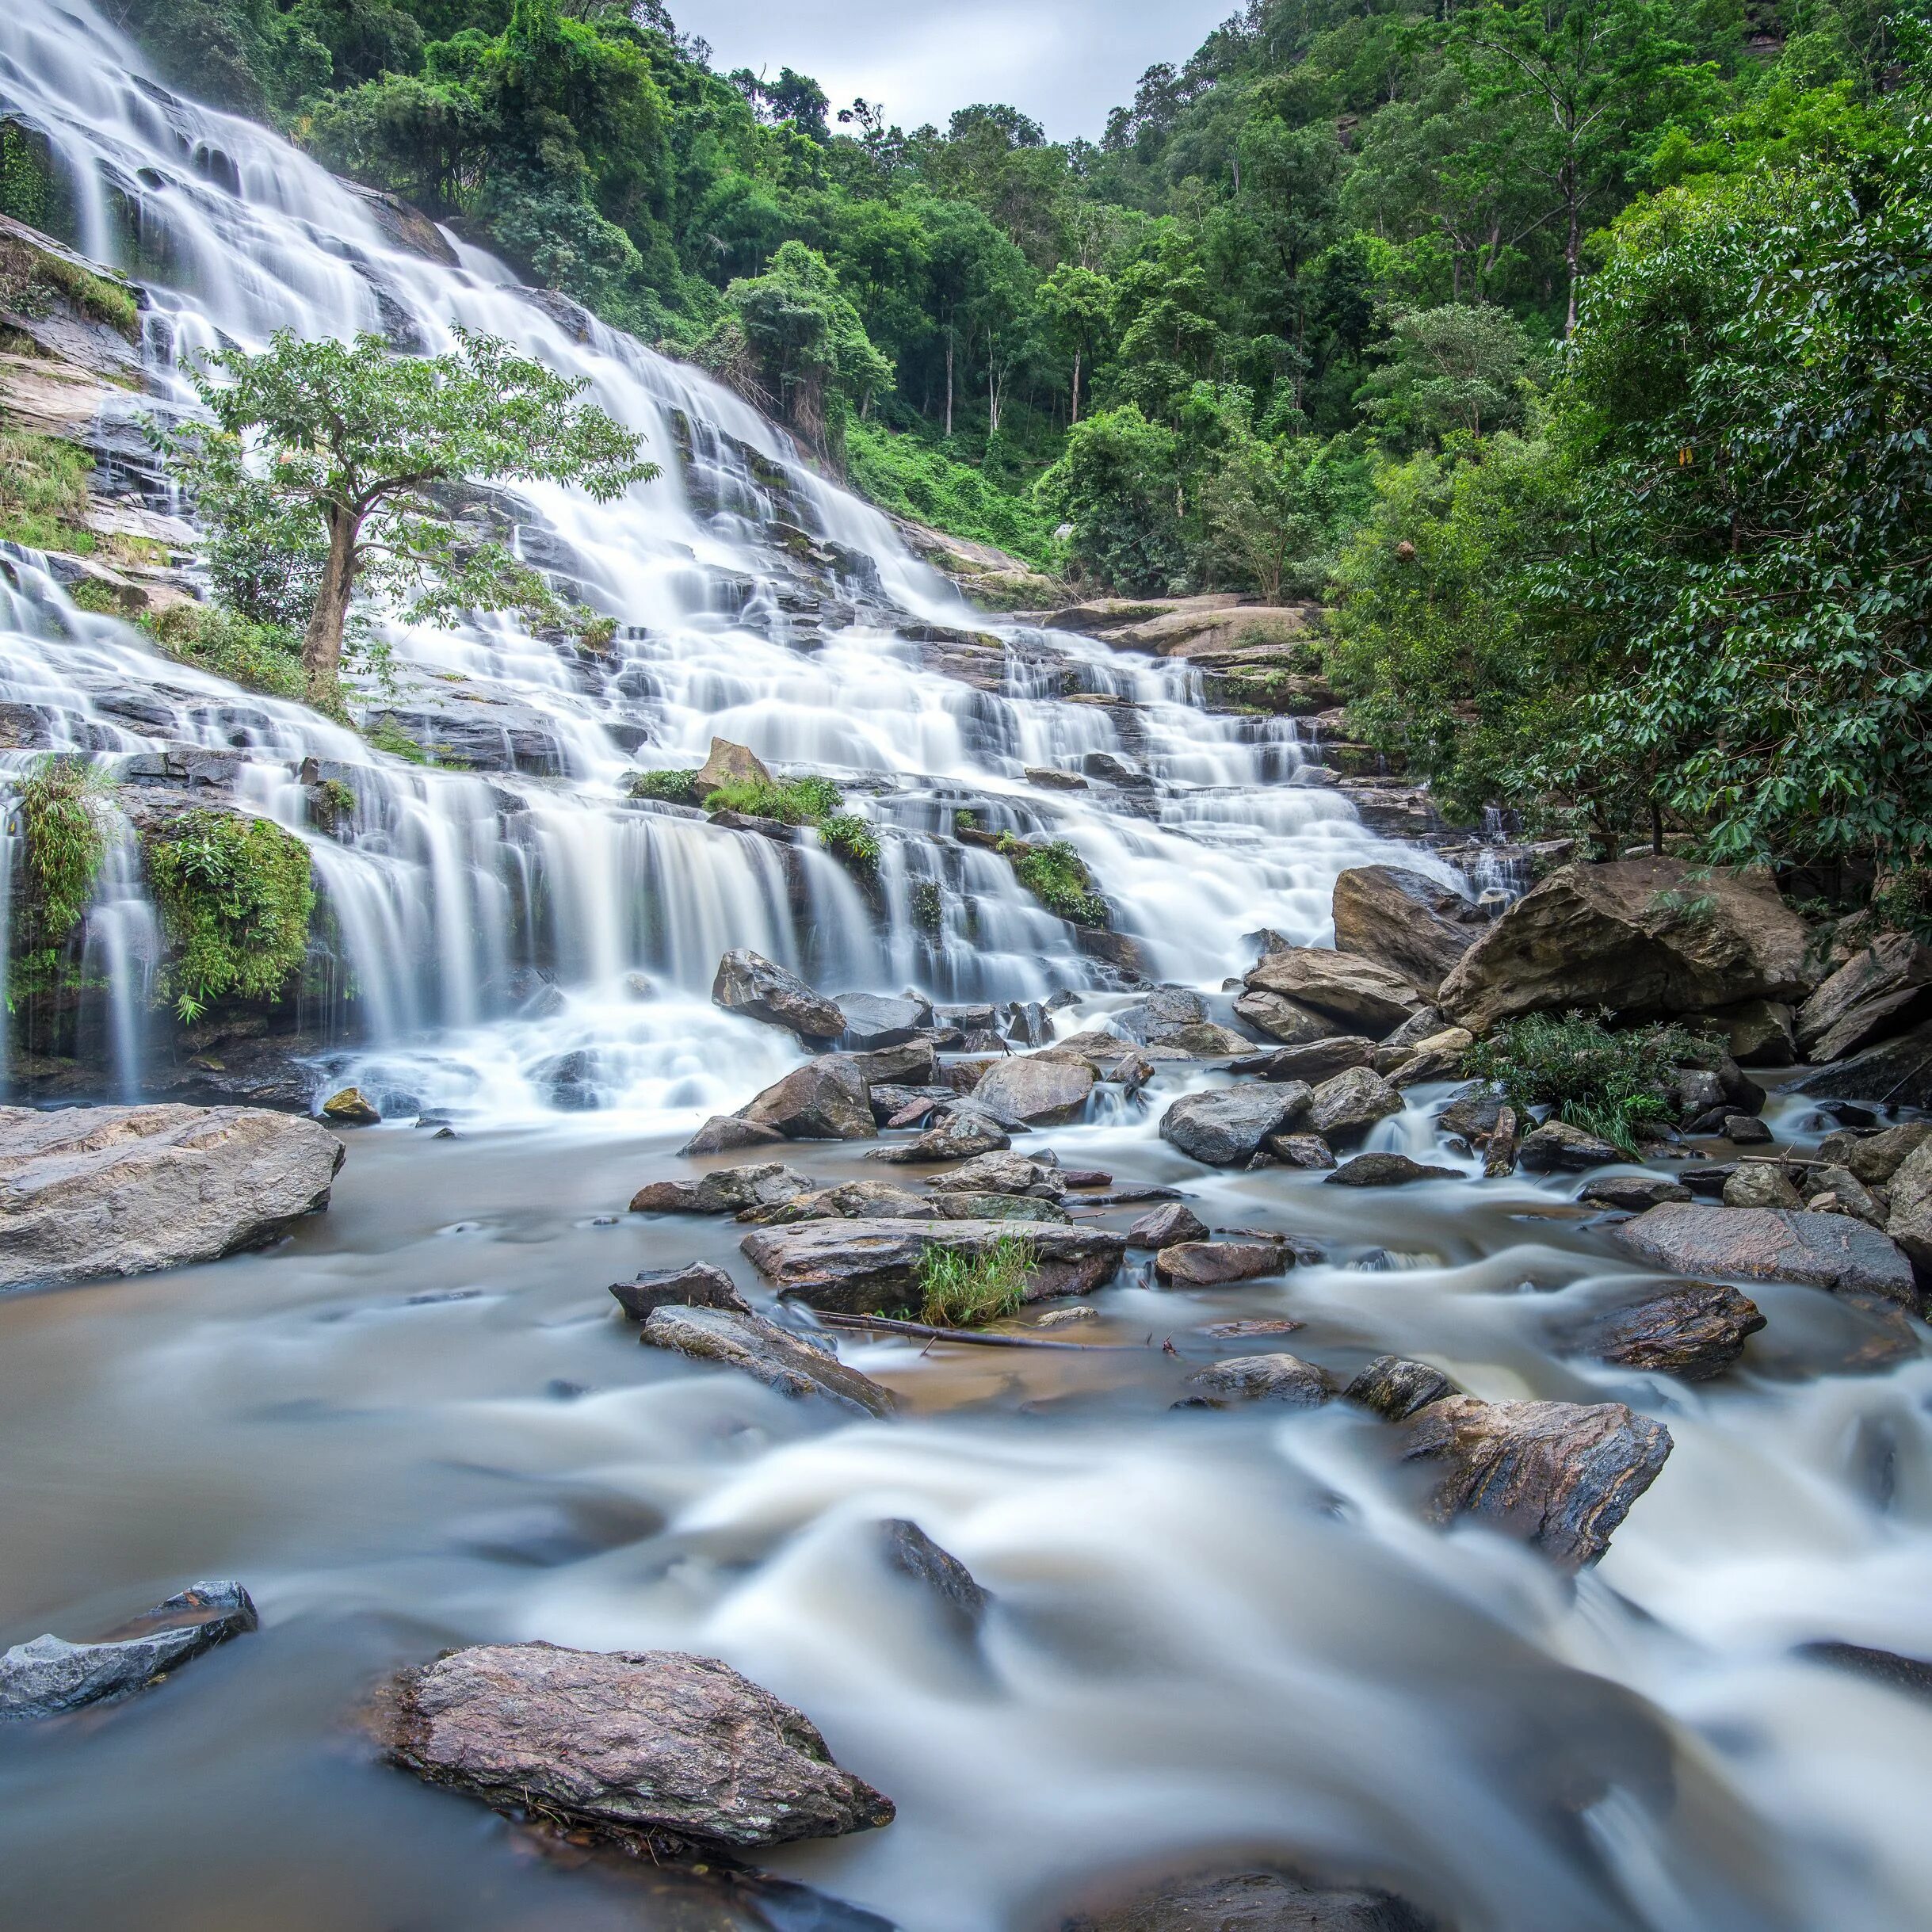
column 1226, row 1128
column 88, row 1192
column 1254, row 1901
column 1414, row 926
column 1279, row 1378
column 1557, row 1147
column 1696, row 1332
column 698, row 1285
column 826, row 1100
column 749, row 984
column 727, row 1190
column 1387, row 1170
column 1040, row 1089
column 643, row 1742
column 767, row 1354
column 1213, row 1264
column 1821, row 1251
column 1343, row 1109
column 1357, row 994
column 1632, row 1194
column 913, row 1555
column 1396, row 1388
column 1166, row 1226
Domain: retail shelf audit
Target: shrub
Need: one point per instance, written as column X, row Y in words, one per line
column 928, row 906
column 966, row 1291
column 667, row 788
column 235, row 897
column 61, row 807
column 1606, row 1083
column 1057, row 876
column 853, row 839
column 262, row 657
column 910, row 477
column 790, row 801
column 44, row 494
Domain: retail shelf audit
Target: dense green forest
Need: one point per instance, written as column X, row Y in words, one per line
column 1575, row 353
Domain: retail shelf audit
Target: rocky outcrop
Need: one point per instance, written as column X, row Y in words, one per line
column 697, row 1284
column 1282, row 1378
column 1695, row 1332
column 767, row 1354
column 872, row 1267
column 1560, row 1475
column 87, row 1192
column 828, row 1099
column 640, row 1744
column 1252, row 1900
column 1764, row 1244
column 1758, row 1032
column 1286, row 1019
column 729, row 764
column 48, row 1677
column 1166, row 1226
column 1632, row 1194
column 1879, row 991
column 1648, row 938
column 749, row 984
column 1896, row 1073
column 1313, row 1063
column 1874, row 1158
column 1356, row 994
column 1217, row 1264
column 1417, row 927
column 1042, row 1089
column 1225, row 1128
column 1910, row 1224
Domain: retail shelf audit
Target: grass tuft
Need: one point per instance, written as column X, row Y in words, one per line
column 959, row 1290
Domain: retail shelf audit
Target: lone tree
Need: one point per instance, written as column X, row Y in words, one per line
column 311, row 477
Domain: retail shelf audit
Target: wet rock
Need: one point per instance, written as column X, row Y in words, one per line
column 767, row 1354
column 1438, row 1057
column 1746, row 1130
column 86, row 1191
column 749, row 984
column 1217, row 1264
column 1911, row 1675
column 729, row 1190
column 697, row 1284
column 1165, row 1226
column 1249, row 1901
column 1472, row 1115
column 1286, row 1019
column 1557, row 1147
column 872, row 1267
column 1760, row 1033
column 1504, row 1147
column 1760, row 1184
column 960, row 1137
column 879, row 1020
column 639, row 1743
column 1874, row 1158
column 1837, row 1190
column 1386, row 1170
column 1560, row 1475
column 1396, row 1388
column 1415, row 926
column 1166, row 1009
column 960, row 1207
column 1820, row 1250
column 1317, row 1061
column 911, row 1552
column 729, row 764
column 1309, row 1151
column 1632, row 1194
column 1343, row 1109
column 1695, row 1332
column 1896, row 1074
column 49, row 1676
column 1043, row 1090
column 855, row 1200
column 1026, row 1023
column 1001, row 1173
column 725, row 1133
column 1051, row 781
column 1363, row 997
column 1910, row 1224
column 1242, row 1331
column 912, row 1062
column 1707, row 1180
column 1283, row 1378
column 1880, row 990
column 350, row 1109
column 826, row 1100
column 1226, row 1127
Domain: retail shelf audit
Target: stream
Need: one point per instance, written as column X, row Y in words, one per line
column 420, row 1422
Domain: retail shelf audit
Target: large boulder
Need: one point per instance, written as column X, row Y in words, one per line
column 1557, row 1148
column 1387, row 1170
column 1880, row 990
column 1910, row 1224
column 962, row 1136
column 1314, row 1062
column 883, row 1019
column 1225, row 1128
column 1771, row 1244
column 1362, row 996
column 1218, row 1264
column 872, row 1267
column 1895, row 1073
column 1166, row 1226
column 827, row 1099
column 1696, row 1330
column 637, row 1743
column 768, row 1353
column 1248, row 1901
column 749, row 983
column 1416, row 927
column 1286, row 1020
column 1042, row 1089
column 87, row 1192
column 729, row 764
column 1005, row 1174
column 1560, row 1475
column 49, row 1676
column 1874, row 1158
column 1648, row 938
column 1345, row 1109
column 1396, row 1387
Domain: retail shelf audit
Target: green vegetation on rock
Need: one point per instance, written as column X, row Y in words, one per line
column 790, row 801
column 236, row 896
column 910, row 475
column 44, row 494
column 1057, row 876
column 218, row 639
column 960, row 1290
column 668, row 788
column 852, row 839
column 63, row 809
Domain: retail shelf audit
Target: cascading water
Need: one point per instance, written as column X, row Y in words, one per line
column 415, row 1426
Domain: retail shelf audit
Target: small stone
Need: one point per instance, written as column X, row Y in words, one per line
column 1632, row 1194
column 697, row 1284
column 1214, row 1264
column 1386, row 1170
column 1556, row 1146
column 1744, row 1130
column 1165, row 1226
column 1343, row 1109
column 1066, row 1318
column 1240, row 1331
column 911, row 1552
column 767, row 1354
column 1396, row 1388
column 1760, row 1184
column 1309, row 1151
column 350, row 1108
column 1282, row 1378
column 1851, row 1194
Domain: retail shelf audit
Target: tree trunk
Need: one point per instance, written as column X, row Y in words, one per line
column 948, row 378
column 1076, row 385
column 322, row 649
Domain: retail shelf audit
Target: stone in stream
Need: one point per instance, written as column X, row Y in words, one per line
column 749, row 984
column 1005, row 1173
column 729, row 764
column 49, row 1676
column 911, row 1552
column 1897, row 1073
column 1557, row 1148
column 1648, row 938
column 962, row 1137
column 1760, row 1184
column 646, row 1745
column 1356, row 994
column 1242, row 1331
column 1503, row 1146
column 1217, row 1264
column 724, row 1133
column 1416, row 927
column 852, row 1201
column 1762, row 1244
column 912, row 1063
column 1874, row 1158
column 826, row 1100
column 1282, row 1378
column 1306, row 1151
column 1696, row 1331
column 1561, row 1476
column 1438, row 1056
column 872, row 1267
column 1317, row 1061
column 951, row 1205
column 1386, row 1170
column 1746, row 1130
column 1286, row 1019
column 90, row 1191
column 1166, row 1226
column 1632, row 1194
column 767, row 1354
column 1042, row 1089
column 351, row 1108
column 1471, row 1115
column 881, row 1020
column 1396, row 1388
column 728, row 1190
column 1247, row 1900
column 1344, row 1109
column 1225, row 1128
column 1837, row 1190
column 1911, row 1675
column 698, row 1285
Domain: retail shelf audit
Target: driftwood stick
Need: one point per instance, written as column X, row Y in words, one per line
column 921, row 1331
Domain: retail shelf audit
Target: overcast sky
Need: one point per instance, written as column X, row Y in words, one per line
column 1064, row 61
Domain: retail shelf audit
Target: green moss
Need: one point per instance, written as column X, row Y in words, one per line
column 44, row 494
column 1057, row 876
column 30, row 189
column 262, row 657
column 790, row 801
column 958, row 1290
column 235, row 897
column 667, row 788
column 594, row 632
column 915, row 478
column 33, row 280
column 63, row 808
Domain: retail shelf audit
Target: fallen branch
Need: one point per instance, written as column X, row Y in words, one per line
column 979, row 1337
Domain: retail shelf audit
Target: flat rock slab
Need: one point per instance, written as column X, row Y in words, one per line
column 1387, row 1170
column 1695, row 1332
column 871, row 1267
column 88, row 1192
column 1772, row 1244
column 638, row 1744
column 767, row 1354
column 1562, row 1476
column 1632, row 1194
column 1396, row 1388
column 48, row 1677
column 1557, row 1148
column 1250, row 1901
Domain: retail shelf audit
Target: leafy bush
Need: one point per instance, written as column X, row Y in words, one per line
column 1057, row 876
column 61, row 807
column 966, row 1291
column 263, row 657
column 928, row 906
column 671, row 788
column 1606, row 1083
column 235, row 897
column 853, row 839
column 790, row 801
column 911, row 478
